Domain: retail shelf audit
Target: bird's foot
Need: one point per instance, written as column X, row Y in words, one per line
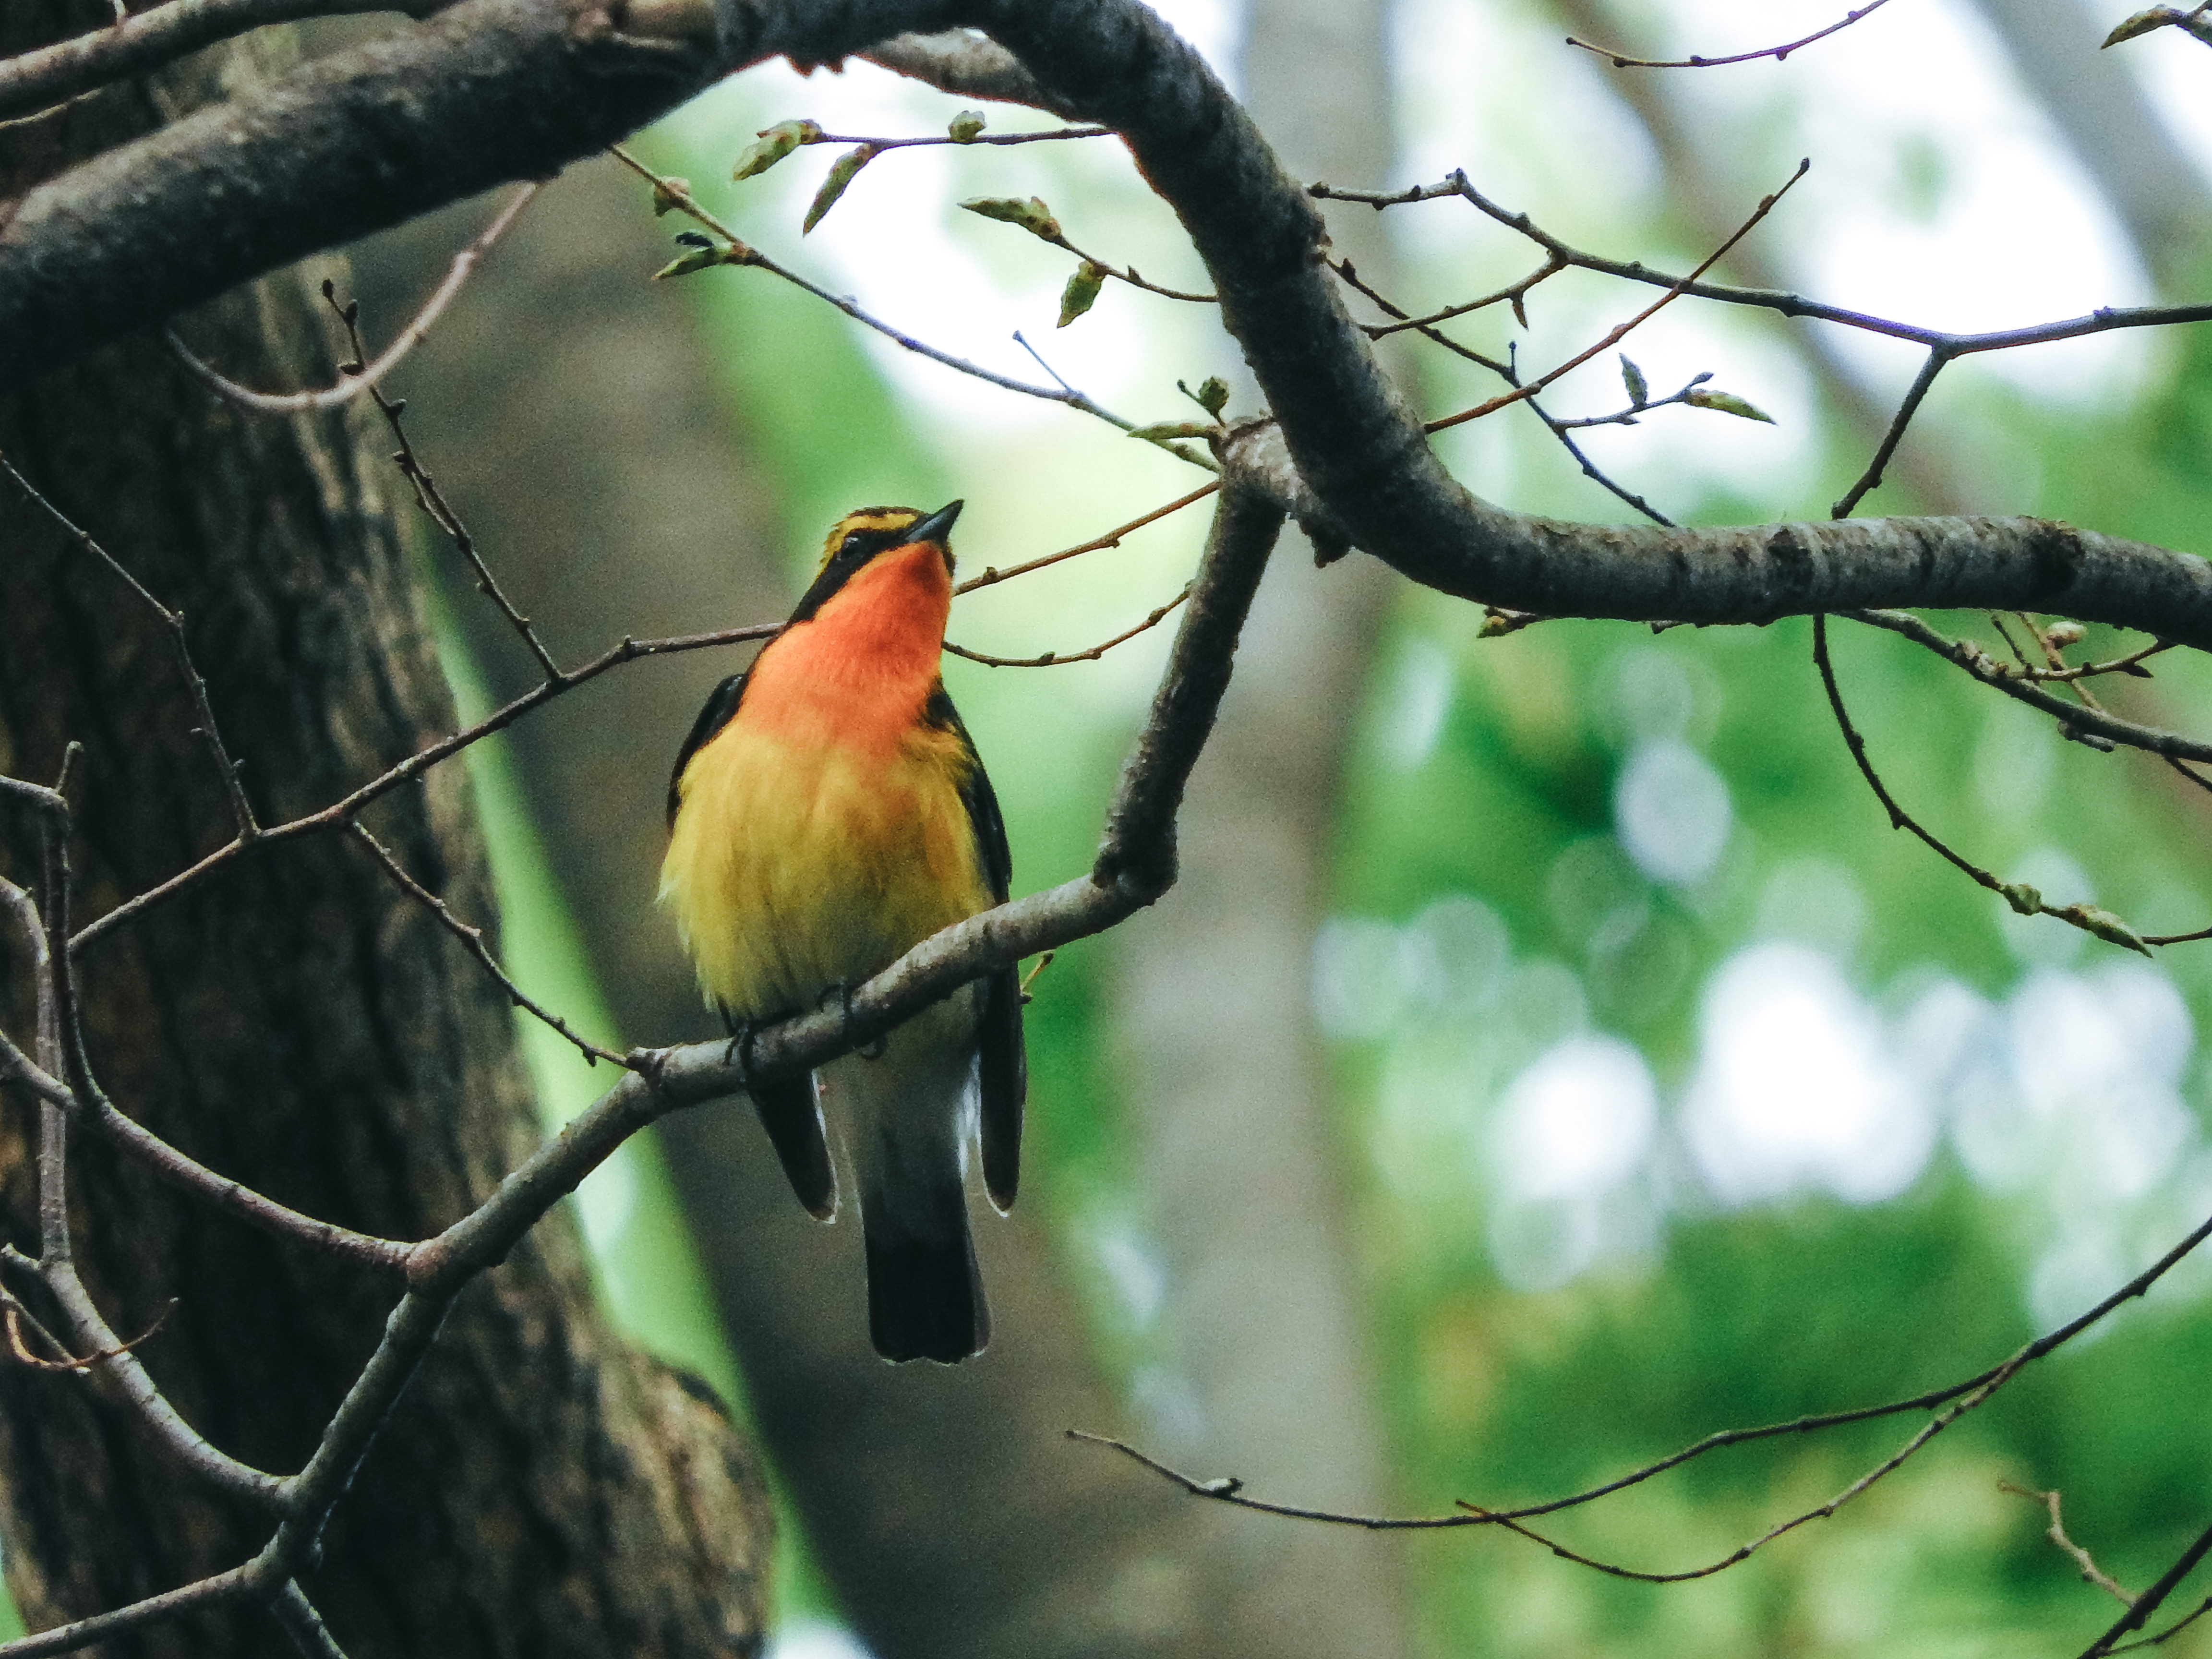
column 873, row 1050
column 738, row 1055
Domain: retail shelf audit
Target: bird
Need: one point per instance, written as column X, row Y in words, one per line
column 827, row 812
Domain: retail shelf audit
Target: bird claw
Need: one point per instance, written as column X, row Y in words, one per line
column 871, row 1050
column 738, row 1055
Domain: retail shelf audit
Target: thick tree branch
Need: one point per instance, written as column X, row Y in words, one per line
column 967, row 65
column 147, row 41
column 495, row 90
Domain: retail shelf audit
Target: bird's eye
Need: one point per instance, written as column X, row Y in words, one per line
column 851, row 546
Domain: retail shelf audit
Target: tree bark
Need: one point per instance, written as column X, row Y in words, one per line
column 300, row 1025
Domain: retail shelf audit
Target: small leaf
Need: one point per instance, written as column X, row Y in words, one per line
column 2142, row 22
column 664, row 195
column 842, row 173
column 2104, row 925
column 1160, row 431
column 1640, row 389
column 684, row 264
column 1081, row 291
column 773, row 145
column 1213, row 395
column 1729, row 404
column 701, row 251
column 965, row 126
column 2022, row 898
column 1031, row 214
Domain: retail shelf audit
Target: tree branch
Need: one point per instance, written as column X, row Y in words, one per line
column 495, row 90
column 145, row 41
column 967, row 65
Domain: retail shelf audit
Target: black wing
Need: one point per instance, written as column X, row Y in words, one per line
column 722, row 704
column 1002, row 1062
column 977, row 796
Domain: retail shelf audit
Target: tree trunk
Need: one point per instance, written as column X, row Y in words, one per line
column 1226, row 1080
column 300, row 1023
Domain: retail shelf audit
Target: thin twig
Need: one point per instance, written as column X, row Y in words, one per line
column 1506, row 372
column 135, row 44
column 1229, row 1489
column 1621, row 60
column 342, row 811
column 877, row 146
column 62, row 1052
column 1621, row 332
column 473, row 937
column 1938, row 358
column 2024, row 899
column 363, row 376
column 2170, row 1632
column 427, row 495
column 2083, row 1562
column 241, row 809
column 1054, row 659
column 303, row 1624
column 2075, row 721
column 1030, row 977
column 16, row 1316
column 2101, row 320
column 993, row 575
column 2090, row 671
column 738, row 251
column 220, row 1589
column 1514, row 293
column 2148, row 1602
column 1047, row 137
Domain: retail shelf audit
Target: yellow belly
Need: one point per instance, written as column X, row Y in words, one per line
column 792, row 868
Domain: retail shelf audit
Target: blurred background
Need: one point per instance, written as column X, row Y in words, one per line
column 1550, row 1056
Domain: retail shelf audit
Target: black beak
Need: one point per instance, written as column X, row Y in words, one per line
column 936, row 527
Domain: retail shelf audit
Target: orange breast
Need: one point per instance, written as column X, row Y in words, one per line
column 822, row 833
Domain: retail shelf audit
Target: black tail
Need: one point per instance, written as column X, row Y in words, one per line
column 794, row 1122
column 924, row 1295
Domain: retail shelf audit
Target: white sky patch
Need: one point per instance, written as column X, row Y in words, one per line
column 1794, row 1088
column 1577, row 1123
column 814, row 1639
column 1566, row 1164
column 1939, row 193
column 2170, row 66
column 2067, row 1099
column 1670, row 809
column 1419, row 697
column 1649, row 690
column 2099, row 1061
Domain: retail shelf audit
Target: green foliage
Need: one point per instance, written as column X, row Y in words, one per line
column 1731, row 1318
